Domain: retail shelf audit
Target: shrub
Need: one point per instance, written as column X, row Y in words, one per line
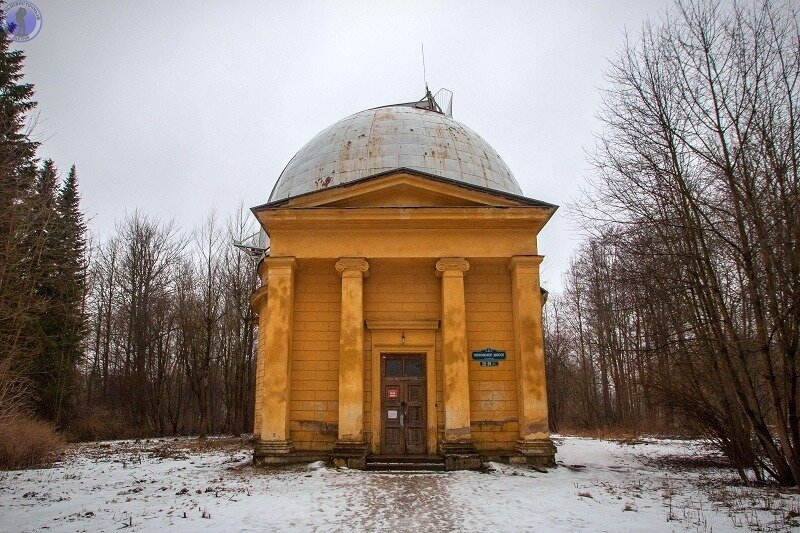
column 28, row 443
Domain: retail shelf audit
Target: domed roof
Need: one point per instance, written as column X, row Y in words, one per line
column 392, row 137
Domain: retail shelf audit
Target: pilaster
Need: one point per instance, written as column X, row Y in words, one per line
column 276, row 312
column 457, row 446
column 534, row 442
column 351, row 450
column 258, row 302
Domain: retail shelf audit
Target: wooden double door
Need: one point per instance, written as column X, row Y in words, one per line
column 403, row 404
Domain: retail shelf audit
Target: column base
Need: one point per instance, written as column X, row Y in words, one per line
column 539, row 453
column 350, row 454
column 273, row 452
column 460, row 456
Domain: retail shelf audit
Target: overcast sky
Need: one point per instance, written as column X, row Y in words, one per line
column 176, row 108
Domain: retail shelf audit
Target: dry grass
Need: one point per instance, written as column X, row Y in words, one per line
column 100, row 424
column 603, row 433
column 28, row 443
column 622, row 434
column 25, row 442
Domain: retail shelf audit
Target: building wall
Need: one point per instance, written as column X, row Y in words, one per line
column 314, row 372
column 398, row 289
column 490, row 324
column 401, row 290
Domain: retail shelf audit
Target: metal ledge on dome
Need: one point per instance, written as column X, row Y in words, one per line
column 438, row 104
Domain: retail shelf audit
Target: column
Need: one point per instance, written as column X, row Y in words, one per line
column 351, row 349
column 351, row 450
column 534, row 435
column 274, row 349
column 258, row 302
column 457, row 438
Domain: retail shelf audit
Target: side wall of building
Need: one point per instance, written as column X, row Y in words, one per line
column 490, row 324
column 314, row 372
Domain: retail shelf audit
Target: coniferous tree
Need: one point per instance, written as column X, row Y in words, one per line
column 59, row 291
column 17, row 177
column 42, row 249
column 17, row 151
column 46, row 366
column 71, row 272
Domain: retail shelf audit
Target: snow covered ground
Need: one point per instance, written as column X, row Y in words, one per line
column 183, row 485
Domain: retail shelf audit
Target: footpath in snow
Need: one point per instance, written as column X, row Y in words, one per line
column 185, row 485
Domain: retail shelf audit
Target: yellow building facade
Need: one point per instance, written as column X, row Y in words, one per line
column 400, row 311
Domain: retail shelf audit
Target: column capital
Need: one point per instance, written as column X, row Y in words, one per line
column 457, row 265
column 274, row 263
column 525, row 261
column 348, row 265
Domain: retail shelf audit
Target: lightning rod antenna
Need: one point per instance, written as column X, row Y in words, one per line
column 424, row 73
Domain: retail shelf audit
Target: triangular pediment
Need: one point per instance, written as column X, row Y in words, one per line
column 405, row 189
column 403, row 193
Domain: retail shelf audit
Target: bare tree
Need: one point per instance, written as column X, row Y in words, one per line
column 692, row 275
column 172, row 347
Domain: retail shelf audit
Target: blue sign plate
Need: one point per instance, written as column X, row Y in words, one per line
column 490, row 363
column 489, row 354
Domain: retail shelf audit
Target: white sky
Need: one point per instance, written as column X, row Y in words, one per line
column 176, row 108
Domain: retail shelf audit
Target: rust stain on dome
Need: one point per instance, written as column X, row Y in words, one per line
column 379, row 140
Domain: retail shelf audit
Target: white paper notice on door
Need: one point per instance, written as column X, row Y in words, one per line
column 392, row 414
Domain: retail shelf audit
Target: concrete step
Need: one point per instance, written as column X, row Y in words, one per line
column 404, row 467
column 406, row 458
column 405, row 463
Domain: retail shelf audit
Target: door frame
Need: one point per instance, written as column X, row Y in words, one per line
column 403, row 337
column 406, row 380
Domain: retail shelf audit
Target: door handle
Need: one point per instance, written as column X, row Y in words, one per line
column 403, row 420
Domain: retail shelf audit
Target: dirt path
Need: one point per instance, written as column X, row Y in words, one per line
column 384, row 500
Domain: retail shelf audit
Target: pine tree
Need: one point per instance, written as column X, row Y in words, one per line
column 17, row 151
column 60, row 290
column 18, row 175
column 47, row 365
column 42, row 248
column 44, row 201
column 71, row 273
column 74, row 229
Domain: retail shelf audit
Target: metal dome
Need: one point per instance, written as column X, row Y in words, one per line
column 392, row 137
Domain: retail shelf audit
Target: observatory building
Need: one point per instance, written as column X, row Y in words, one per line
column 400, row 311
